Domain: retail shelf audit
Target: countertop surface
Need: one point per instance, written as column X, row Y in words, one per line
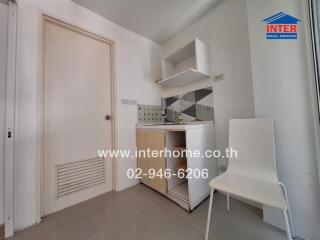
column 184, row 126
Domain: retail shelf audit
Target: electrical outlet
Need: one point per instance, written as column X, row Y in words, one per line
column 128, row 102
column 133, row 102
column 218, row 77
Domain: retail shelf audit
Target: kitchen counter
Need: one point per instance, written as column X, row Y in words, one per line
column 181, row 127
column 191, row 137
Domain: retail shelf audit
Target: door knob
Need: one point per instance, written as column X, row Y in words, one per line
column 107, row 117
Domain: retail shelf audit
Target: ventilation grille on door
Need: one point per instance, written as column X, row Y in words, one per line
column 76, row 176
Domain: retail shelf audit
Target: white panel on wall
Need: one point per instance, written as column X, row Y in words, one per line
column 3, row 67
column 283, row 91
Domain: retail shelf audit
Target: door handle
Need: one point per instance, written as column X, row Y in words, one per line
column 107, row 117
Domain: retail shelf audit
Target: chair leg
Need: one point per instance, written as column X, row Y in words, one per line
column 286, row 219
column 228, row 202
column 289, row 211
column 209, row 215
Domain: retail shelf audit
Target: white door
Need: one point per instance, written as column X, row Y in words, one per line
column 76, row 99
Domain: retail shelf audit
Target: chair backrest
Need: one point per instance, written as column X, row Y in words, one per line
column 253, row 139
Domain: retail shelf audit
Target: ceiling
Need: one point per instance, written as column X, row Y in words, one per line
column 158, row 20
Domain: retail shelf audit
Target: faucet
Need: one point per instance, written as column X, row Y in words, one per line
column 164, row 108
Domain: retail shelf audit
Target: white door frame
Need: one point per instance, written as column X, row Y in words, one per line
column 10, row 120
column 40, row 159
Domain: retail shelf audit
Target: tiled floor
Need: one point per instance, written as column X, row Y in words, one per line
column 141, row 213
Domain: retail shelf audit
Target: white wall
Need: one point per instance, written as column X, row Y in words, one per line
column 137, row 66
column 3, row 76
column 225, row 30
column 282, row 91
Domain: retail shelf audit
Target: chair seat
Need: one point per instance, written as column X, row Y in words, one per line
column 267, row 193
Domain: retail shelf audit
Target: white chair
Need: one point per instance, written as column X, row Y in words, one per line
column 252, row 174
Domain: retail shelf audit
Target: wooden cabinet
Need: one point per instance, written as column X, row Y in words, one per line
column 154, row 140
column 187, row 192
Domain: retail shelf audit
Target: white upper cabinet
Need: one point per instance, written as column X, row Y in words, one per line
column 188, row 64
